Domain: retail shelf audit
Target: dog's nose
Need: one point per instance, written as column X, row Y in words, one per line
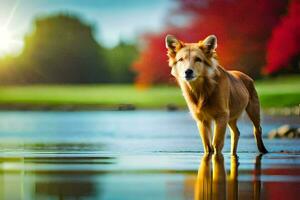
column 189, row 72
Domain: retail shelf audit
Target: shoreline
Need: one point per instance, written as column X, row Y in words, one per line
column 285, row 111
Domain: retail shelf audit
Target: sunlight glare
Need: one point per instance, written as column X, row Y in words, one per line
column 7, row 42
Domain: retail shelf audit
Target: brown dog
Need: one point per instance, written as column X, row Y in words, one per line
column 212, row 93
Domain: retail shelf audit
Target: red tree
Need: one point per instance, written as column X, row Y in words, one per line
column 151, row 64
column 284, row 43
column 242, row 28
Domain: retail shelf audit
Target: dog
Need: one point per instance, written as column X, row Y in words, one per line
column 212, row 93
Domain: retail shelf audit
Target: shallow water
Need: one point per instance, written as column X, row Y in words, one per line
column 138, row 155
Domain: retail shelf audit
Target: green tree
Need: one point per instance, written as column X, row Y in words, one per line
column 62, row 49
column 119, row 62
column 9, row 71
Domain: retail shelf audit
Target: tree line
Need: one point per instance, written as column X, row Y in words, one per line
column 256, row 37
column 62, row 49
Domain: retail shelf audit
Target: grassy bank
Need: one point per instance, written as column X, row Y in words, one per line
column 103, row 96
column 277, row 92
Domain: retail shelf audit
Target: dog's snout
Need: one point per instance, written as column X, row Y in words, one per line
column 188, row 72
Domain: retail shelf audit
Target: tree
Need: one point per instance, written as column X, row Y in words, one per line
column 283, row 47
column 151, row 65
column 119, row 62
column 9, row 71
column 62, row 49
column 242, row 28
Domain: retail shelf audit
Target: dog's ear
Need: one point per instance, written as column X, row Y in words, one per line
column 209, row 44
column 173, row 44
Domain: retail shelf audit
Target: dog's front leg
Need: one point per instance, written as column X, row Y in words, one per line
column 205, row 133
column 219, row 133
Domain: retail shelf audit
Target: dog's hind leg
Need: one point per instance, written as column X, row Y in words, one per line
column 235, row 134
column 205, row 133
column 253, row 111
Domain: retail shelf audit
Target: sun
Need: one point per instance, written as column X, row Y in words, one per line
column 8, row 44
column 6, row 39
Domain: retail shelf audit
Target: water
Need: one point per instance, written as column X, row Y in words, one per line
column 138, row 155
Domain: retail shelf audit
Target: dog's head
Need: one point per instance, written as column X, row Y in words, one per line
column 190, row 61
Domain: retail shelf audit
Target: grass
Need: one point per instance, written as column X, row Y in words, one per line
column 277, row 92
column 105, row 96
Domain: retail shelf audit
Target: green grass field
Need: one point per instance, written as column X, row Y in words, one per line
column 279, row 92
column 276, row 92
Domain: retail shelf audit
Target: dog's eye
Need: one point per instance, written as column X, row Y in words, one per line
column 197, row 59
column 180, row 59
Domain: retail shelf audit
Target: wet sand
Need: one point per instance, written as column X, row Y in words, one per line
column 129, row 155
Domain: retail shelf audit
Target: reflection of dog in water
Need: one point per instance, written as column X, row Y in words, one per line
column 211, row 180
column 213, row 183
column 213, row 93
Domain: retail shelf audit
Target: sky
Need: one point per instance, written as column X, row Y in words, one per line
column 114, row 20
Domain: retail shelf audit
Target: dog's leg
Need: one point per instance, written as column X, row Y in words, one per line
column 253, row 111
column 235, row 134
column 205, row 133
column 219, row 133
column 257, row 129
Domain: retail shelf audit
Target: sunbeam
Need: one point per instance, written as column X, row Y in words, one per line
column 12, row 13
column 8, row 43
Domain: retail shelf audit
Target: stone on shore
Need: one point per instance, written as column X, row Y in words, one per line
column 285, row 131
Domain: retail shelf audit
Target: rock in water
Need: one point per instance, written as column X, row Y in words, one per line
column 285, row 131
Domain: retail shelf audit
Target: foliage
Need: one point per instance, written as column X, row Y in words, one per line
column 119, row 63
column 284, row 45
column 9, row 72
column 151, row 66
column 242, row 28
column 62, row 49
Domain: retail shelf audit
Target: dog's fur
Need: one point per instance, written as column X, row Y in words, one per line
column 212, row 93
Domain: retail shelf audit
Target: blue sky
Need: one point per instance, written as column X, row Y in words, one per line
column 114, row 19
